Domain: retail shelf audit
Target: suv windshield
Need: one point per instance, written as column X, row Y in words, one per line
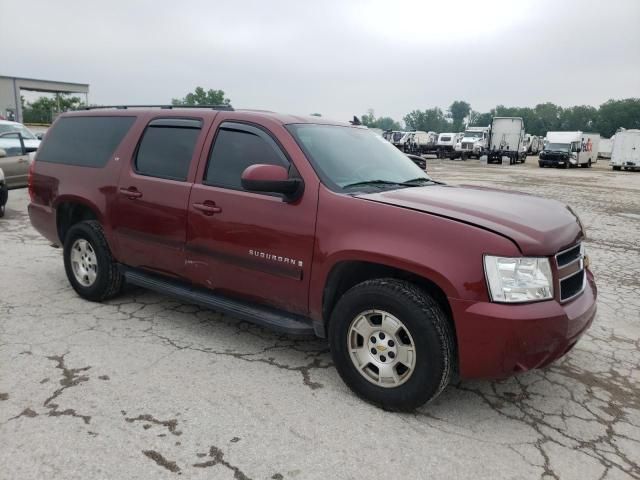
column 397, row 136
column 16, row 127
column 562, row 147
column 347, row 157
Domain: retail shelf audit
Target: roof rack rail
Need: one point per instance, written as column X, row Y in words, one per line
column 164, row 107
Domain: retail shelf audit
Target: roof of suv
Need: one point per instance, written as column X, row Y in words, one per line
column 247, row 115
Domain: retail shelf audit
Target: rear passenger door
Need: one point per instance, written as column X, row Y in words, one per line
column 153, row 193
column 250, row 245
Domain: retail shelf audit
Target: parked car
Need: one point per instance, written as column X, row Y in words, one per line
column 569, row 149
column 16, row 142
column 626, row 150
column 4, row 193
column 310, row 226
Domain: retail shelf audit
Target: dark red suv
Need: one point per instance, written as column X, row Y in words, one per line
column 309, row 226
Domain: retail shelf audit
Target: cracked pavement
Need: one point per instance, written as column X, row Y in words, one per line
column 144, row 386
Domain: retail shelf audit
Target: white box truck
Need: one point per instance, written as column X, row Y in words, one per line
column 506, row 139
column 570, row 149
column 626, row 150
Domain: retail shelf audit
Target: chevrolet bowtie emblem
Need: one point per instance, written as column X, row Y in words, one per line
column 381, row 348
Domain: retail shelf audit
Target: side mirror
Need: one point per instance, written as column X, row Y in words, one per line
column 30, row 149
column 271, row 179
column 39, row 135
column 3, row 153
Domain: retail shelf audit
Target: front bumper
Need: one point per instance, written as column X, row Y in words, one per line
column 498, row 340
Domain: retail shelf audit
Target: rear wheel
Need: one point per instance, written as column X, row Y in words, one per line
column 392, row 344
column 90, row 267
column 616, row 167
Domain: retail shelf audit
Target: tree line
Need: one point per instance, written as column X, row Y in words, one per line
column 538, row 120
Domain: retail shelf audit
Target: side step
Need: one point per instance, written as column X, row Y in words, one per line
column 260, row 315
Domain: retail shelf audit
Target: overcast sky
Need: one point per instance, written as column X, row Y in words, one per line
column 338, row 57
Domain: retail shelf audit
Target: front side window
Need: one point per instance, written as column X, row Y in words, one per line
column 166, row 148
column 16, row 127
column 237, row 147
column 349, row 159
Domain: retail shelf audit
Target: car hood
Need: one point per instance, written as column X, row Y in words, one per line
column 537, row 225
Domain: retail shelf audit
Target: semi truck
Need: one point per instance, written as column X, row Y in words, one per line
column 570, row 149
column 533, row 144
column 626, row 150
column 506, row 139
column 473, row 142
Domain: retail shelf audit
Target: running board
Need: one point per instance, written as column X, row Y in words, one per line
column 264, row 316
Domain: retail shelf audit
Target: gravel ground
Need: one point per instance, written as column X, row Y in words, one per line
column 147, row 387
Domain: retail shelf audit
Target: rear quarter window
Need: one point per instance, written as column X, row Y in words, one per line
column 84, row 141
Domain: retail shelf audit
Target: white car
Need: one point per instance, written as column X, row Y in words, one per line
column 17, row 142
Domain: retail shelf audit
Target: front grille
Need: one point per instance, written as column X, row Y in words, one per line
column 571, row 272
column 467, row 145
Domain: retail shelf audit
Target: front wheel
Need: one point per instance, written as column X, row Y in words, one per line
column 392, row 344
column 90, row 267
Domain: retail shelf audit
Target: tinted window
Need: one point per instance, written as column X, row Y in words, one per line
column 234, row 151
column 84, row 141
column 167, row 147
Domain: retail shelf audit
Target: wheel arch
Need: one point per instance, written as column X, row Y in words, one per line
column 72, row 210
column 348, row 273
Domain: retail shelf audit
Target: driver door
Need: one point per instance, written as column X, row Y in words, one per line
column 14, row 159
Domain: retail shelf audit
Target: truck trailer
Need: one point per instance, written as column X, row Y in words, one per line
column 626, row 150
column 506, row 139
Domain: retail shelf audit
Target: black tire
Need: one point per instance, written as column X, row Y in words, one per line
column 615, row 167
column 2, row 209
column 109, row 280
column 540, row 164
column 425, row 321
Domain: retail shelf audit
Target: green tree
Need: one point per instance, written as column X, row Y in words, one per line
column 477, row 119
column 458, row 111
column 614, row 114
column 580, row 117
column 200, row 96
column 385, row 123
column 431, row 119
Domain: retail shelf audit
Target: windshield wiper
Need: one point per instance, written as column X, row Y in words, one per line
column 371, row 182
column 417, row 181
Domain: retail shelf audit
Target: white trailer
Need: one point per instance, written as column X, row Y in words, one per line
column 506, row 140
column 570, row 149
column 606, row 147
column 626, row 150
column 445, row 145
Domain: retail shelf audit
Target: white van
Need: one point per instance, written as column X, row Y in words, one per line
column 570, row 149
column 626, row 150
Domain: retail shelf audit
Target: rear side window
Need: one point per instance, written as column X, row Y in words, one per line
column 84, row 141
column 236, row 148
column 166, row 148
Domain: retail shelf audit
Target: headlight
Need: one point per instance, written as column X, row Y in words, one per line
column 522, row 279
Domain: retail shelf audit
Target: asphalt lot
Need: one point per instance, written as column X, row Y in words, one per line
column 147, row 387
